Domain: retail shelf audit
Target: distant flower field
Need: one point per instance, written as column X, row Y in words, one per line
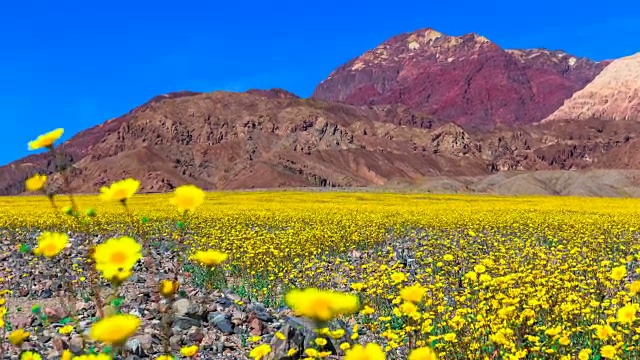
column 411, row 276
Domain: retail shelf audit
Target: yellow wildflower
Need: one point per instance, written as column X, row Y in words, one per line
column 618, row 273
column 608, row 352
column 367, row 310
column 165, row 357
column 67, row 329
column 312, row 353
column 292, row 352
column 121, row 252
column 115, row 329
column 51, row 244
column 321, row 305
column 189, row 351
column 209, row 258
column 479, row 268
column 255, row 338
column 17, row 337
column 370, row 352
column 584, row 354
column 30, row 355
column 413, row 293
column 260, row 351
column 187, row 198
column 46, row 140
column 36, row 182
column 398, row 277
column 627, row 314
column 168, row 288
column 423, row 353
column 120, row 190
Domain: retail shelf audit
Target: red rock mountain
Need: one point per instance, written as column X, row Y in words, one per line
column 465, row 79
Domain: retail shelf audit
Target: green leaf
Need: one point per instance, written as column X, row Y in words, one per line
column 117, row 302
column 65, row 321
column 145, row 219
column 24, row 248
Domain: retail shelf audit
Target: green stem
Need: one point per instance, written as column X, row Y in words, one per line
column 65, row 178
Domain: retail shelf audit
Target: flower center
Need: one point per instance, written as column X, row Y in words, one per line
column 120, row 193
column 118, row 257
column 49, row 248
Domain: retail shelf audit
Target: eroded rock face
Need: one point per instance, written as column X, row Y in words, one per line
column 240, row 141
column 465, row 79
column 613, row 95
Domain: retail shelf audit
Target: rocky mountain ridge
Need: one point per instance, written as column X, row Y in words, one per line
column 421, row 105
column 464, row 79
column 240, row 141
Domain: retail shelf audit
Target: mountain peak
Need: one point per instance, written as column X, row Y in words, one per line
column 466, row 79
column 429, row 39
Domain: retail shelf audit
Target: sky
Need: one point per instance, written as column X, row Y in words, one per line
column 75, row 64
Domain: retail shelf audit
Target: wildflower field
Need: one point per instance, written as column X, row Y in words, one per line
column 313, row 275
column 470, row 277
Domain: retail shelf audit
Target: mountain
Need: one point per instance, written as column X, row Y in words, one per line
column 244, row 140
column 465, row 79
column 267, row 139
column 613, row 95
column 422, row 110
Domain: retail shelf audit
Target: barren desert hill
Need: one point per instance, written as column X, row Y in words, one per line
column 225, row 140
column 613, row 95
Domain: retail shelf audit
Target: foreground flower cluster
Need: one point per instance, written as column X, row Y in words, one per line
column 409, row 276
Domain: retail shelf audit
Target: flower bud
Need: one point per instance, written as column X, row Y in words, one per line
column 168, row 288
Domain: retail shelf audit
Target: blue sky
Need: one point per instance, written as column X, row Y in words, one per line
column 75, row 64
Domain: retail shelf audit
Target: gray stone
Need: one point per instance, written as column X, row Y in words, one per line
column 185, row 323
column 299, row 334
column 221, row 321
column 175, row 341
column 76, row 344
column 133, row 347
column 195, row 334
column 181, row 307
column 264, row 316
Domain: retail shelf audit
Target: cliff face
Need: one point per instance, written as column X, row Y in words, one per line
column 466, row 79
column 613, row 95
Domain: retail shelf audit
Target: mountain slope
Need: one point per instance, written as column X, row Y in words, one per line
column 257, row 140
column 466, row 79
column 613, row 95
column 241, row 140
